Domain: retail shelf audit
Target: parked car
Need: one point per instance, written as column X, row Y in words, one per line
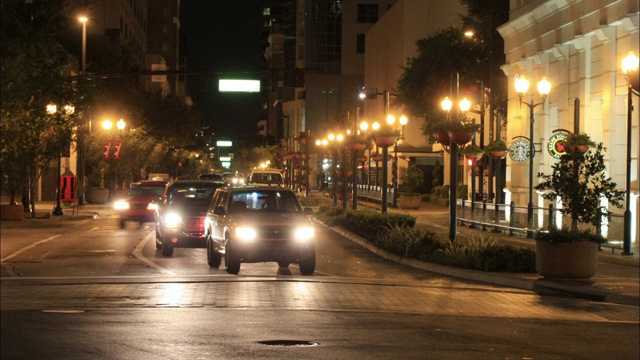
column 233, row 178
column 138, row 204
column 181, row 212
column 249, row 224
column 214, row 177
column 266, row 176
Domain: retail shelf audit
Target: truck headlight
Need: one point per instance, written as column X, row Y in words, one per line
column 121, row 205
column 304, row 233
column 172, row 220
column 246, row 234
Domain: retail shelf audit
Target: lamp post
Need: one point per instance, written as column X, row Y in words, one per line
column 80, row 165
column 544, row 87
column 447, row 104
column 403, row 121
column 629, row 65
column 107, row 125
column 465, row 106
column 51, row 110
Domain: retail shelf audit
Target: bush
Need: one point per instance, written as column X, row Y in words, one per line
column 506, row 259
column 309, row 201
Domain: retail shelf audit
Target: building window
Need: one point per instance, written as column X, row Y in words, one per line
column 360, row 44
column 367, row 13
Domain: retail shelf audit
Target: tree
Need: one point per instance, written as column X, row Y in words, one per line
column 430, row 76
column 35, row 72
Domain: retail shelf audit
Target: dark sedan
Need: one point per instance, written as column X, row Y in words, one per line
column 181, row 213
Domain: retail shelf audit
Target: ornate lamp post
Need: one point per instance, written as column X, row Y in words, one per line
column 629, row 66
column 52, row 110
column 80, row 165
column 544, row 87
column 447, row 104
column 402, row 121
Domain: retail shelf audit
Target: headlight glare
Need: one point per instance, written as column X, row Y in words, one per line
column 152, row 206
column 247, row 234
column 304, row 233
column 172, row 220
column 121, row 205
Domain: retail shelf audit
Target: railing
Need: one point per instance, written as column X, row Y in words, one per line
column 512, row 219
column 374, row 193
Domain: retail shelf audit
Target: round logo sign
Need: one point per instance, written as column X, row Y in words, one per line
column 556, row 145
column 519, row 150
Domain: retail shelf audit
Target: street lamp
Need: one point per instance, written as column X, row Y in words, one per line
column 51, row 110
column 402, row 121
column 80, row 164
column 107, row 125
column 544, row 87
column 629, row 65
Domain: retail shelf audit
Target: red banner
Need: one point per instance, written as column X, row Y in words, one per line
column 117, row 146
column 106, row 150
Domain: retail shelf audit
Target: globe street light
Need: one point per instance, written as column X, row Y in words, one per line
column 544, row 87
column 402, row 121
column 629, row 66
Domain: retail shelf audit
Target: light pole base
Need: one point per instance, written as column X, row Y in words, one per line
column 57, row 211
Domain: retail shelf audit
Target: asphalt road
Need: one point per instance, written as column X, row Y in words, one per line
column 91, row 290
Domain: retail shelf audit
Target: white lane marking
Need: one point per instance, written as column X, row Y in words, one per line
column 138, row 253
column 18, row 252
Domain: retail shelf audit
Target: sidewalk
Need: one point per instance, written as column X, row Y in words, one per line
column 617, row 280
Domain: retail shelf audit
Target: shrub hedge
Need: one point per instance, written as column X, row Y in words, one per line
column 396, row 233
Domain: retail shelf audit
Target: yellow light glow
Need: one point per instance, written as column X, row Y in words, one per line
column 340, row 137
column 364, row 126
column 544, row 86
column 107, row 124
column 83, row 19
column 331, row 137
column 324, row 142
column 446, row 104
column 465, row 105
column 403, row 120
column 469, row 33
column 391, row 119
column 522, row 85
column 630, row 63
column 318, row 142
column 52, row 109
column 375, row 126
column 120, row 124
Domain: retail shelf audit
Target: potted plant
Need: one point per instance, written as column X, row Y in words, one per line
column 578, row 142
column 340, row 190
column 386, row 135
column 579, row 181
column 356, row 142
column 497, row 149
column 472, row 151
column 459, row 130
column 412, row 177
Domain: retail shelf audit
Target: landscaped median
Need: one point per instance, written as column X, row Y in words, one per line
column 396, row 235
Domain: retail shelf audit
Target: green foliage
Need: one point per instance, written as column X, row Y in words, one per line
column 412, row 177
column 437, row 174
column 504, row 258
column 462, row 191
column 471, row 150
column 579, row 180
column 441, row 191
column 496, row 146
column 407, row 241
column 565, row 235
column 578, row 139
column 440, row 124
column 308, row 201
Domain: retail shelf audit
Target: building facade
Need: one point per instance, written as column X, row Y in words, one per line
column 578, row 45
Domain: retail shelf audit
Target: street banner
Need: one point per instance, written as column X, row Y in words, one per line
column 106, row 150
column 117, row 146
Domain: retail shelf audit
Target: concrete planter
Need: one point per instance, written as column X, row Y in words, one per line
column 575, row 260
column 97, row 196
column 12, row 212
column 409, row 201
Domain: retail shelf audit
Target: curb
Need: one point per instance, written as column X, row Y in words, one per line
column 520, row 281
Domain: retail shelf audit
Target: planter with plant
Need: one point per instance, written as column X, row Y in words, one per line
column 472, row 152
column 412, row 177
column 580, row 182
column 459, row 131
column 356, row 142
column 497, row 149
column 578, row 142
column 386, row 135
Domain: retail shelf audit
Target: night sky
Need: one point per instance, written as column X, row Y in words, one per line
column 223, row 37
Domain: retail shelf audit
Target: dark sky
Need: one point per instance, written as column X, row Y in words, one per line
column 223, row 37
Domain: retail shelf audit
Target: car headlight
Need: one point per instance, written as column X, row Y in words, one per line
column 121, row 205
column 152, row 206
column 172, row 220
column 304, row 233
column 246, row 234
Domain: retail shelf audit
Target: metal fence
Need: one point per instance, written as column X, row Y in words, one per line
column 512, row 219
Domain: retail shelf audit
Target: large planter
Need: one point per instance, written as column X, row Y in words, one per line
column 571, row 260
column 97, row 196
column 461, row 137
column 13, row 212
column 386, row 140
column 409, row 201
column 498, row 154
column 442, row 137
column 356, row 147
